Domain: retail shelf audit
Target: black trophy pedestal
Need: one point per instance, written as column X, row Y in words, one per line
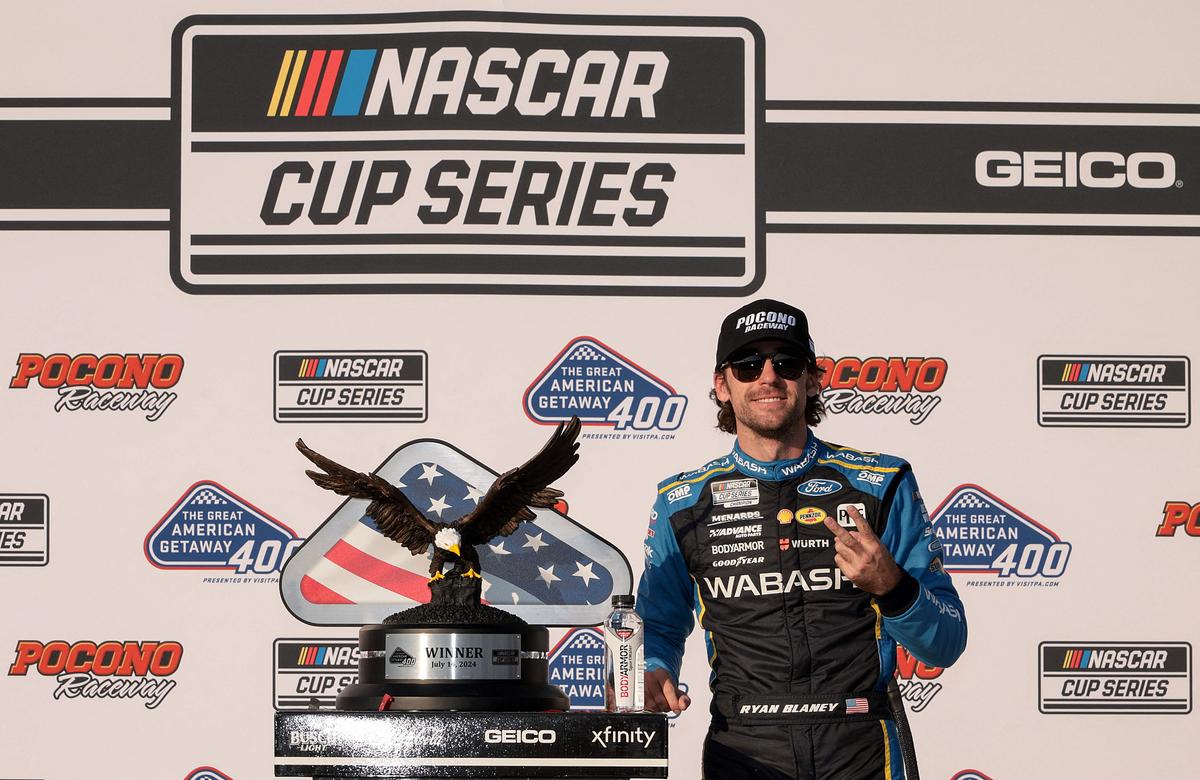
column 498, row 745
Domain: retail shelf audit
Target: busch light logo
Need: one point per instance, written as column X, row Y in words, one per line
column 602, row 387
column 981, row 534
column 550, row 571
column 818, row 487
column 211, row 528
column 207, row 773
column 577, row 668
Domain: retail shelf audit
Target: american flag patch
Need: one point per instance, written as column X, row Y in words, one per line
column 856, row 706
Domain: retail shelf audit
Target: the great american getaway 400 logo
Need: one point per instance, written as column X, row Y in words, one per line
column 603, row 388
column 467, row 151
column 980, row 534
column 211, row 528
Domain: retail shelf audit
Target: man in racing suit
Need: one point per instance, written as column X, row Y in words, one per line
column 805, row 563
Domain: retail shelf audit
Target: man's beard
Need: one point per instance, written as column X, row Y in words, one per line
column 779, row 430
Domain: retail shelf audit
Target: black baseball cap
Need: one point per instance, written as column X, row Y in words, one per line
column 761, row 320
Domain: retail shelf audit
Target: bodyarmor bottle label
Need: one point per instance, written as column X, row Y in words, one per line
column 625, row 661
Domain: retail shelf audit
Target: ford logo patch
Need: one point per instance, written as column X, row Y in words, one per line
column 818, row 487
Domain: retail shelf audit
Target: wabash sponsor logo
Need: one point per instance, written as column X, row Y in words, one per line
column 1176, row 515
column 210, row 527
column 772, row 583
column 207, row 773
column 1098, row 170
column 603, row 388
column 982, row 535
column 351, row 386
column 918, row 682
column 102, row 670
column 310, row 673
column 879, row 385
column 1106, row 391
column 127, row 382
column 24, row 529
column 1115, row 677
column 468, row 152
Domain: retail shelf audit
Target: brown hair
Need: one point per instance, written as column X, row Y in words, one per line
column 814, row 408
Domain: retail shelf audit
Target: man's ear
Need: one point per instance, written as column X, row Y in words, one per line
column 720, row 386
column 812, row 383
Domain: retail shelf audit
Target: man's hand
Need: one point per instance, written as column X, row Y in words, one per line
column 661, row 695
column 862, row 557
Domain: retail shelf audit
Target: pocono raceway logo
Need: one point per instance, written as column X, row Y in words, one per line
column 207, row 773
column 104, row 670
column 980, row 534
column 603, row 388
column 210, row 527
column 917, row 681
column 112, row 382
column 310, row 673
column 879, row 385
column 1179, row 514
column 24, row 529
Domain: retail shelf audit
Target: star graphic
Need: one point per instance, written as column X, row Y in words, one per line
column 498, row 549
column 485, row 585
column 429, row 473
column 473, row 494
column 585, row 573
column 516, row 598
column 535, row 542
column 546, row 575
column 438, row 505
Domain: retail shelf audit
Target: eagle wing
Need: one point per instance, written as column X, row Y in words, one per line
column 395, row 515
column 507, row 502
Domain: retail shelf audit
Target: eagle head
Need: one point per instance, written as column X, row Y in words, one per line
column 448, row 539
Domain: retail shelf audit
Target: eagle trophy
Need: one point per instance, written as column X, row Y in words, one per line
column 499, row 513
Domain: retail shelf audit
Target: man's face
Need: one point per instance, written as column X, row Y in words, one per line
column 770, row 406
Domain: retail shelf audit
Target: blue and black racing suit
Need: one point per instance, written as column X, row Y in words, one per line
column 802, row 660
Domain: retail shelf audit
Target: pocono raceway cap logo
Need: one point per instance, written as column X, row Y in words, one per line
column 1115, row 677
column 551, row 571
column 1114, row 391
column 102, row 670
column 468, row 152
column 917, row 682
column 603, row 388
column 982, row 535
column 577, row 668
column 878, row 385
column 310, row 673
column 207, row 773
column 24, row 529
column 355, row 386
column 210, row 527
column 1176, row 515
column 112, row 382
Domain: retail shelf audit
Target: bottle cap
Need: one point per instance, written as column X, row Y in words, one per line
column 622, row 600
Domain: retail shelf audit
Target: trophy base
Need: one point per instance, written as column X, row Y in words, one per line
column 494, row 696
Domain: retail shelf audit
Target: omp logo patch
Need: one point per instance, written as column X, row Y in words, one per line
column 210, row 527
column 577, row 668
column 982, row 535
column 603, row 388
column 879, row 385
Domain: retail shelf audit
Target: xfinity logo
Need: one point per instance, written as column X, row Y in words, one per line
column 1103, row 170
column 520, row 736
column 611, row 736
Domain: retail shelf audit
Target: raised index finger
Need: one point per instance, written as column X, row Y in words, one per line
column 841, row 533
column 861, row 523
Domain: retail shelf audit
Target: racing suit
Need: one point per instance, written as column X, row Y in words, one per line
column 802, row 660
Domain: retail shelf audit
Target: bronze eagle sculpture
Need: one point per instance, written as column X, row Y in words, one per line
column 499, row 513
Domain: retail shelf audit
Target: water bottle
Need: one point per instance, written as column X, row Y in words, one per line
column 624, row 658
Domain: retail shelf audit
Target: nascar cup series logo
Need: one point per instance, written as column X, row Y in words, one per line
column 876, row 385
column 102, row 670
column 355, row 386
column 310, row 673
column 980, row 534
column 467, row 151
column 24, row 530
column 210, row 527
column 603, row 388
column 139, row 383
column 1115, row 677
column 1114, row 391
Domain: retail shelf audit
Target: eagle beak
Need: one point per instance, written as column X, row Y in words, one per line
column 454, row 549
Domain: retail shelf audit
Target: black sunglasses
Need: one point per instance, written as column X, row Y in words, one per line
column 749, row 368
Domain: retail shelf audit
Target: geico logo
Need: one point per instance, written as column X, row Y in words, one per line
column 893, row 374
column 772, row 583
column 548, row 81
column 521, row 736
column 775, row 318
column 120, row 371
column 1145, row 170
column 108, row 658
